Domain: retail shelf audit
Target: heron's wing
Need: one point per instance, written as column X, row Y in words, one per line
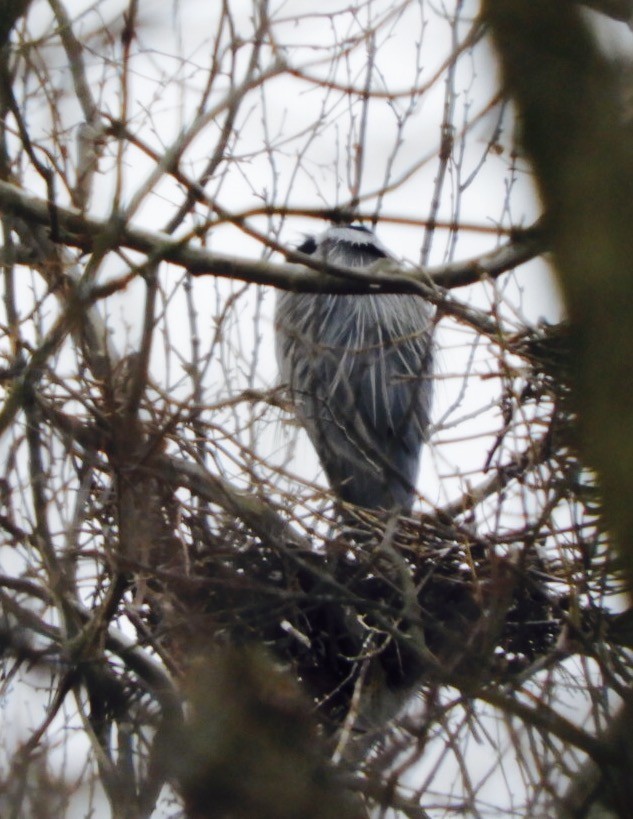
column 381, row 354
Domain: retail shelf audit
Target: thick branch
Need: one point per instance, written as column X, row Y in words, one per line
column 78, row 230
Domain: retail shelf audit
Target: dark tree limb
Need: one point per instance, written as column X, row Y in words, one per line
column 567, row 95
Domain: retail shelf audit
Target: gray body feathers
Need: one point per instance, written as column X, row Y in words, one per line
column 359, row 368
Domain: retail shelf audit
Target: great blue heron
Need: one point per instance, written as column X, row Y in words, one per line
column 359, row 368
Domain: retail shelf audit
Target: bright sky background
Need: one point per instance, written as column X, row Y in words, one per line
column 293, row 148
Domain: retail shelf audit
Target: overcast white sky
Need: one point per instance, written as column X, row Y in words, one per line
column 306, row 129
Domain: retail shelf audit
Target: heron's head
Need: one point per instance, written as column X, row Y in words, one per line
column 348, row 245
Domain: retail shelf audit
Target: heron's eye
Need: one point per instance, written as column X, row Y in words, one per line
column 308, row 247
